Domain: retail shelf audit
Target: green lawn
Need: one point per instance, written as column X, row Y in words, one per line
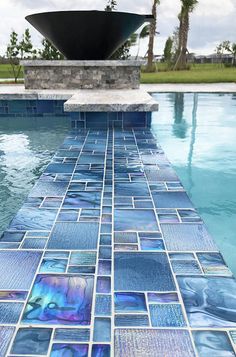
column 199, row 73
column 6, row 71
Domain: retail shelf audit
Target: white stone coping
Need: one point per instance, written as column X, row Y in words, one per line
column 111, row 101
column 66, row 63
column 190, row 88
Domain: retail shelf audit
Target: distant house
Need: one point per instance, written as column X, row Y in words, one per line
column 214, row 58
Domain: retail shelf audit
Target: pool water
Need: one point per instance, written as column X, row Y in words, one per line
column 198, row 135
column 26, row 147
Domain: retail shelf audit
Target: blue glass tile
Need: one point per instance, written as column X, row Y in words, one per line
column 168, row 218
column 143, row 204
column 131, row 320
column 105, row 239
column 32, row 341
column 151, row 235
column 209, row 301
column 52, row 265
column 106, row 228
column 34, row 243
column 83, row 258
column 21, row 267
column 103, row 284
column 12, row 236
column 69, row 349
column 164, row 174
column 60, row 168
column 81, row 269
column 185, row 267
column 181, row 256
column 213, row 343
column 45, row 106
column 52, row 202
column 55, row 254
column 130, row 302
column 135, row 220
column 163, row 297
column 143, row 271
column 146, row 342
column 101, row 351
column 171, row 200
column 105, row 252
column 48, row 188
column 89, row 176
column 126, row 247
column 151, row 244
column 74, row 236
column 63, row 334
column 10, row 312
column 82, row 199
column 6, row 333
column 9, row 245
column 60, row 299
column 103, row 305
column 125, row 237
column 68, row 216
column 102, row 329
column 213, row 264
column 104, row 267
column 13, row 295
column 167, row 315
column 30, row 219
column 187, row 237
column 131, row 189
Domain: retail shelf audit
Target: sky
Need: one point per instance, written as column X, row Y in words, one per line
column 212, row 22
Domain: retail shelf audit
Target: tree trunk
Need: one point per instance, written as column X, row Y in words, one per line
column 181, row 62
column 152, row 34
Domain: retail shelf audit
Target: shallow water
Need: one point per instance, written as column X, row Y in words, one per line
column 198, row 135
column 26, row 147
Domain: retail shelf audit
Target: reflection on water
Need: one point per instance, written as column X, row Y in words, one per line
column 26, row 147
column 198, row 134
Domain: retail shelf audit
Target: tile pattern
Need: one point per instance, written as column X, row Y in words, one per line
column 109, row 248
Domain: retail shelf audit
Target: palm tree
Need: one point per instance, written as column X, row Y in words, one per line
column 188, row 6
column 152, row 34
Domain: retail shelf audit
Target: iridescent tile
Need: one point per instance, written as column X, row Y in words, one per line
column 105, row 239
column 106, row 228
column 21, row 268
column 68, row 216
column 104, row 267
column 153, row 343
column 168, row 218
column 49, row 188
column 145, row 271
column 74, row 236
column 209, row 301
column 53, row 202
column 60, row 299
column 38, row 234
column 71, row 334
column 182, row 267
column 167, row 315
column 8, row 236
column 171, row 200
column 233, row 336
column 187, row 237
column 125, row 237
column 101, row 351
column 82, row 199
column 125, row 247
column 130, row 302
column 151, row 244
column 32, row 341
column 52, row 265
column 103, row 305
column 102, row 329
column 150, row 235
column 213, row 264
column 34, row 243
column 213, row 343
column 56, row 254
column 69, row 349
column 81, row 269
column 163, row 297
column 131, row 189
column 13, row 295
column 103, row 284
column 181, row 256
column 90, row 213
column 143, row 204
column 105, row 252
column 10, row 312
column 131, row 320
column 135, row 220
column 83, row 258
column 6, row 334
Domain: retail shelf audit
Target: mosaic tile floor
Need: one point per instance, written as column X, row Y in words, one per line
column 108, row 257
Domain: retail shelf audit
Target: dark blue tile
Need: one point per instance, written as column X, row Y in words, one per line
column 63, row 334
column 60, row 168
column 101, row 350
column 131, row 189
column 32, row 341
column 143, row 271
column 130, row 302
column 74, row 236
column 8, row 236
column 69, row 349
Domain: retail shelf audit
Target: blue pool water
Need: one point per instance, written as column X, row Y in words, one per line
column 26, row 147
column 198, row 135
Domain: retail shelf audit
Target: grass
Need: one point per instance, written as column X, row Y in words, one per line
column 199, row 73
column 6, row 71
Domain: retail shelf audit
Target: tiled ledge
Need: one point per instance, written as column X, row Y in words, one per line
column 109, row 257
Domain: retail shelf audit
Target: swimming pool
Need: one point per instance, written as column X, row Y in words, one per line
column 198, row 135
column 27, row 145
